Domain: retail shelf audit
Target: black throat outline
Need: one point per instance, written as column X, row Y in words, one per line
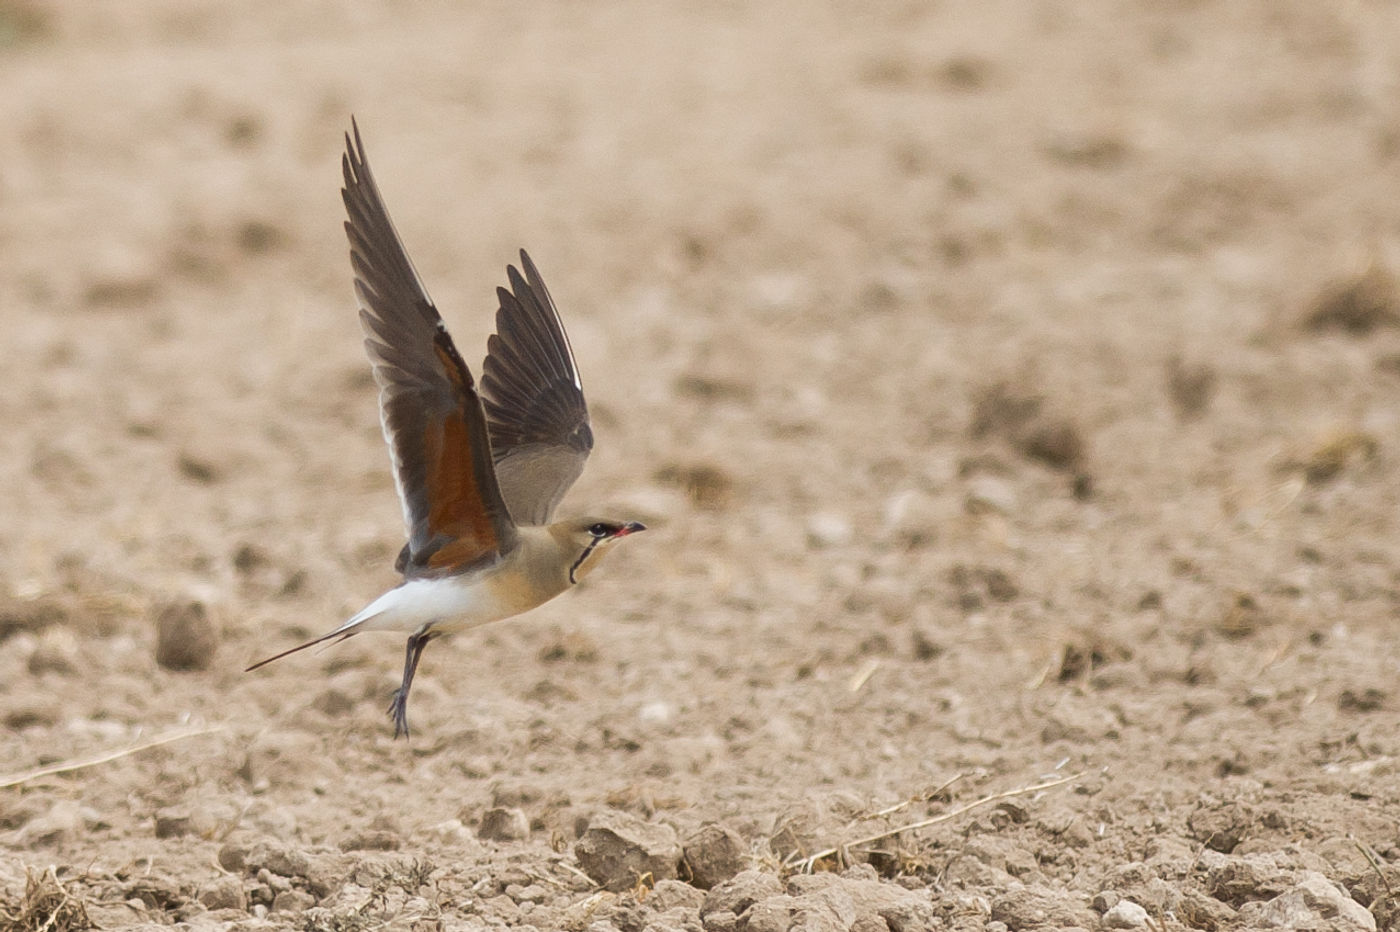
column 583, row 556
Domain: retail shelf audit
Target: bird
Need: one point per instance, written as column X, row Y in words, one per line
column 479, row 470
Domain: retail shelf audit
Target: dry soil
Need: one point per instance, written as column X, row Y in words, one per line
column 1011, row 389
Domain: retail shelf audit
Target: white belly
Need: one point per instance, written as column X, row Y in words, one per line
column 448, row 604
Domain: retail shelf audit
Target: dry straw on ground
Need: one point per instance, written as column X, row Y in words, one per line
column 842, row 852
column 47, row 906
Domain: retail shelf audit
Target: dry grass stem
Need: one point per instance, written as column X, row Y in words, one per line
column 863, row 675
column 1374, row 860
column 47, row 906
column 807, row 864
column 15, row 779
column 918, row 798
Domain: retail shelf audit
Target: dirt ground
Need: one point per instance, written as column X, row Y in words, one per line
column 1012, row 391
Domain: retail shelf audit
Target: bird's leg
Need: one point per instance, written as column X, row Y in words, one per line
column 398, row 707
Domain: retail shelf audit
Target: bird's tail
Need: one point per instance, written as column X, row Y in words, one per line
column 292, row 650
column 347, row 630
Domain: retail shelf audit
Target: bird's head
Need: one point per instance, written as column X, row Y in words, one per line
column 584, row 540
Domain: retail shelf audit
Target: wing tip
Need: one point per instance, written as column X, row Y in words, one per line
column 358, row 145
column 353, row 164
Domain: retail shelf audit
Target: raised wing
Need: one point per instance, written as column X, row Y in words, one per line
column 538, row 419
column 428, row 404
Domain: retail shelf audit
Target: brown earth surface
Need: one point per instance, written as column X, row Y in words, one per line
column 1012, row 390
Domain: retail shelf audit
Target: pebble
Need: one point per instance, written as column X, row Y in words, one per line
column 173, row 822
column 224, row 893
column 1313, row 902
column 990, row 494
column 675, row 894
column 658, row 712
column 55, row 652
column 713, row 853
column 30, row 711
column 451, row 832
column 913, row 518
column 738, row 893
column 618, row 848
column 233, row 857
column 292, row 901
column 372, row 839
column 120, row 277
column 185, row 636
column 28, row 615
column 501, row 823
column 1238, row 880
column 828, row 529
column 324, row 876
column 1221, row 826
column 1125, row 914
column 271, row 856
column 533, row 893
column 927, row 638
column 1104, row 900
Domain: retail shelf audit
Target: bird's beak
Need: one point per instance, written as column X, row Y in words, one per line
column 631, row 527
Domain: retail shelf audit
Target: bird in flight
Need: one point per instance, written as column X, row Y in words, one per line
column 479, row 471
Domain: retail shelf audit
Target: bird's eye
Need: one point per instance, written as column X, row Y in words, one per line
column 599, row 530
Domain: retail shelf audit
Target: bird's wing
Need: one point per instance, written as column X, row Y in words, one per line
column 534, row 403
column 428, row 403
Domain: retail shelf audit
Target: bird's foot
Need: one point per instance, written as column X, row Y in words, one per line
column 398, row 711
column 398, row 708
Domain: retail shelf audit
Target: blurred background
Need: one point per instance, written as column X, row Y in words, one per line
column 1011, row 388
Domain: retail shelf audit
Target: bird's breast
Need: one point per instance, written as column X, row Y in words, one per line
column 446, row 603
column 461, row 602
column 528, row 577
